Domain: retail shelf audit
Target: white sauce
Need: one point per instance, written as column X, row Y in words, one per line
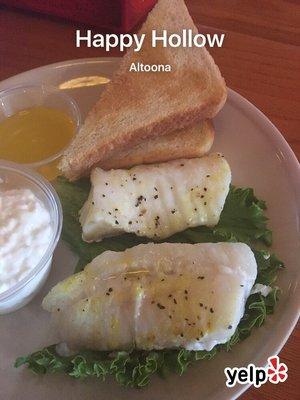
column 25, row 234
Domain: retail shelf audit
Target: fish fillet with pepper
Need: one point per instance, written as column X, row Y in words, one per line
column 156, row 201
column 155, row 296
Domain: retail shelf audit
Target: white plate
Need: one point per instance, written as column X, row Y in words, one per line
column 260, row 158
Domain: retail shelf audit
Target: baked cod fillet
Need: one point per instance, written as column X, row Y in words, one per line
column 155, row 296
column 156, row 200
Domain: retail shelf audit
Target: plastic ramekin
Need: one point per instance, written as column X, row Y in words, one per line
column 16, row 176
column 21, row 97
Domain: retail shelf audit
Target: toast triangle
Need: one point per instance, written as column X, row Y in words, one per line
column 184, row 143
column 136, row 106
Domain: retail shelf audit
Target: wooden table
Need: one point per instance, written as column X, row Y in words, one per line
column 260, row 59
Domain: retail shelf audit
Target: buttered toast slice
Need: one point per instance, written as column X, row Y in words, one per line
column 136, row 106
column 185, row 143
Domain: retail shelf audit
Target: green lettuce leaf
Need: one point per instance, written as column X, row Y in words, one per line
column 242, row 220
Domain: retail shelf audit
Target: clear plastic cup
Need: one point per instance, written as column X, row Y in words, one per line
column 15, row 176
column 19, row 98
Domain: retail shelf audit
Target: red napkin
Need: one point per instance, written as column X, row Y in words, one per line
column 109, row 15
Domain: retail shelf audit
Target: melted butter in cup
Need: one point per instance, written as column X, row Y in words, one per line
column 36, row 124
column 50, row 171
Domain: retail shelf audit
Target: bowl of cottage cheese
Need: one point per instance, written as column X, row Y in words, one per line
column 30, row 227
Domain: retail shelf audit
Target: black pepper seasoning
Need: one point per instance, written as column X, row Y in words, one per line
column 156, row 220
column 139, row 200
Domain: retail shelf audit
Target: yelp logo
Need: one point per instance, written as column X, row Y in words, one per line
column 274, row 372
column 277, row 371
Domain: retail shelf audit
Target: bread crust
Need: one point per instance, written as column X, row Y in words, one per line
column 185, row 143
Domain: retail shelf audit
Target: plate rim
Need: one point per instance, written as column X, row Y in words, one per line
column 286, row 155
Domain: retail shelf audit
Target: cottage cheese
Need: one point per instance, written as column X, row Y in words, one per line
column 25, row 234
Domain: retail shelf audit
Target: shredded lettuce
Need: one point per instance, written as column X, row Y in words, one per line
column 242, row 220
